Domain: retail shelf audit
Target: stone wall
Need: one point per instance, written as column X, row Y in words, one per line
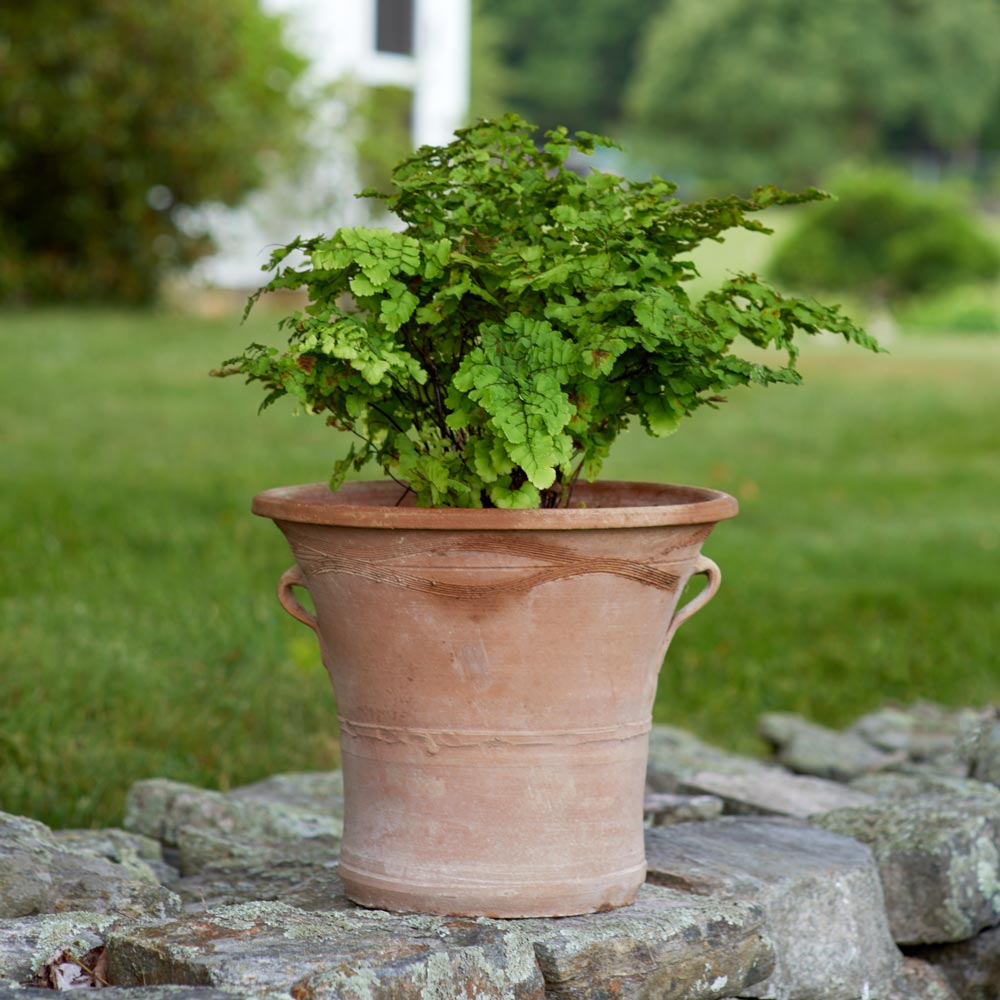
column 857, row 865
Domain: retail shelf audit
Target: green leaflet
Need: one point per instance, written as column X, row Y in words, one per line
column 490, row 459
column 378, row 253
column 517, row 378
column 394, row 312
column 524, row 497
column 374, row 357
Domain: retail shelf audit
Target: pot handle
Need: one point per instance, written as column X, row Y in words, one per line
column 292, row 577
column 704, row 566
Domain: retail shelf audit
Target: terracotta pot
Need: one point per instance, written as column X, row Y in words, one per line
column 494, row 673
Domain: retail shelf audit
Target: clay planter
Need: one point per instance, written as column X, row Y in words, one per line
column 494, row 673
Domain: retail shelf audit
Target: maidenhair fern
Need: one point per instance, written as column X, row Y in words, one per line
column 491, row 351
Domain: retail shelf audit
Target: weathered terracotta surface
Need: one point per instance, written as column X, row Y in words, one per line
column 494, row 674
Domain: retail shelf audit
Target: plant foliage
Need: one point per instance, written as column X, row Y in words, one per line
column 493, row 349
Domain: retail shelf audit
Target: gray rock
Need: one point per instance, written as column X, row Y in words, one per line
column 664, row 809
column 674, row 939
column 321, row 891
column 26, row 943
column 263, row 873
column 159, row 808
column 15, row 991
column 920, row 980
column 209, row 826
column 355, row 955
column 320, row 792
column 984, row 762
column 675, row 756
column 200, row 849
column 808, row 748
column 141, row 857
column 679, row 763
column 971, row 967
column 917, row 980
column 925, row 732
column 40, row 875
column 774, row 792
column 939, row 860
column 148, row 808
column 173, row 993
column 670, row 944
column 819, row 893
column 910, row 785
column 432, row 960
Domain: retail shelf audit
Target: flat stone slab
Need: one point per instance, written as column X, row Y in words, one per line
column 819, row 893
column 208, row 826
column 807, row 748
column 142, row 857
column 364, row 955
column 664, row 809
column 670, row 944
column 319, row 792
column 40, row 874
column 269, row 873
column 676, row 755
column 17, row 992
column 938, row 858
column 926, row 732
column 909, row 785
column 774, row 792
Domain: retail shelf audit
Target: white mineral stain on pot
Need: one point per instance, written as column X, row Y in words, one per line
column 473, row 661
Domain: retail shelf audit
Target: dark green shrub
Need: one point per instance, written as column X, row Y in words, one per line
column 118, row 115
column 885, row 237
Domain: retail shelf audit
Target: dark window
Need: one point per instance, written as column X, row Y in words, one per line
column 394, row 26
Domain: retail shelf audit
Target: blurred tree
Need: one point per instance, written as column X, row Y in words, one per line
column 740, row 93
column 886, row 239
column 568, row 61
column 382, row 119
column 117, row 115
column 490, row 77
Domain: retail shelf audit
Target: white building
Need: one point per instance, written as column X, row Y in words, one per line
column 419, row 44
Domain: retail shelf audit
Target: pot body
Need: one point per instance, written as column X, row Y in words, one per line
column 494, row 685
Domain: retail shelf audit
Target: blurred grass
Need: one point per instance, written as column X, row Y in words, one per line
column 140, row 635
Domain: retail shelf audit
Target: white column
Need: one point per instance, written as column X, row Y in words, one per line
column 441, row 97
column 338, row 36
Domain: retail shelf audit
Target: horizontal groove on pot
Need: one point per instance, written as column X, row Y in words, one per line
column 433, row 740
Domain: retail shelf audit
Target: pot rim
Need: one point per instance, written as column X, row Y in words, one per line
column 608, row 504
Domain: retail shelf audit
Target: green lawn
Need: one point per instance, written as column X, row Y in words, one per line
column 140, row 636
